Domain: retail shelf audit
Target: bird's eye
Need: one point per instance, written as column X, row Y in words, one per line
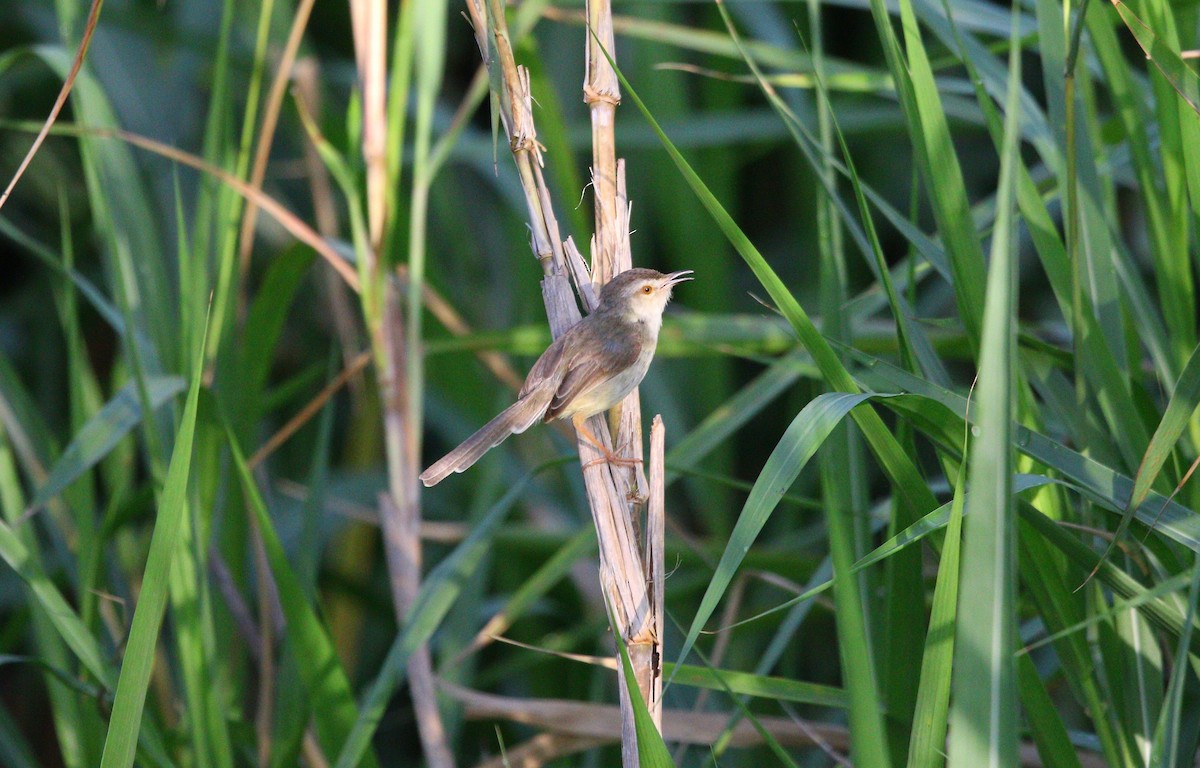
column 647, row 289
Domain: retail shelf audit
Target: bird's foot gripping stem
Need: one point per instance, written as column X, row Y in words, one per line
column 609, row 457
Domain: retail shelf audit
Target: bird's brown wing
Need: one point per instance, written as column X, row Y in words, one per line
column 597, row 354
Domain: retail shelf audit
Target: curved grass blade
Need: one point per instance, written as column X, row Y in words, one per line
column 759, row 686
column 1164, row 612
column 1161, row 589
column 1175, row 419
column 930, row 523
column 1109, row 489
column 268, row 313
column 548, row 574
column 68, row 81
column 911, row 337
column 651, row 751
column 907, row 482
column 123, row 215
column 1182, row 405
column 937, row 161
column 799, row 443
column 60, row 613
column 102, row 432
column 1168, row 61
column 98, row 300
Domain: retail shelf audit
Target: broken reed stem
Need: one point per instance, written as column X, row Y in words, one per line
column 602, row 94
column 627, row 583
column 656, row 531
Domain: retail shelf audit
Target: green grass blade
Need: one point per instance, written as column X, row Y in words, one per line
column 651, row 751
column 264, row 324
column 939, row 166
column 95, row 297
column 1182, row 405
column 548, row 574
column 1163, row 612
column 191, row 621
column 912, row 338
column 930, row 523
column 1053, row 742
column 1174, row 421
column 799, row 443
column 1181, row 77
column 103, row 432
column 121, row 744
column 759, row 686
column 927, row 743
column 984, row 707
column 123, row 213
column 1098, row 482
column 320, row 670
column 906, row 480
column 65, row 620
column 735, row 412
column 1167, row 749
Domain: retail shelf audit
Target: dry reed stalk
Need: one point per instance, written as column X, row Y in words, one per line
column 601, row 721
column 585, row 720
column 614, row 493
column 310, row 410
column 399, row 509
column 656, row 534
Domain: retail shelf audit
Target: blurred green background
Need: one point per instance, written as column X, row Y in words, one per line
column 112, row 257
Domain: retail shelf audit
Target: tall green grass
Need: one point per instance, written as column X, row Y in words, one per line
column 930, row 402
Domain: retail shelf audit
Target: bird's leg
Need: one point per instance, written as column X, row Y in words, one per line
column 609, row 457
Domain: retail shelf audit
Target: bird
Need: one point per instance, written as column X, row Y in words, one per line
column 586, row 371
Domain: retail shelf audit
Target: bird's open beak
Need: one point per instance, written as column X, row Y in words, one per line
column 675, row 278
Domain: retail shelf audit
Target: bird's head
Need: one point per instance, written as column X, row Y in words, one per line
column 641, row 294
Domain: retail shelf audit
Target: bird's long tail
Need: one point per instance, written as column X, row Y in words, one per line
column 513, row 420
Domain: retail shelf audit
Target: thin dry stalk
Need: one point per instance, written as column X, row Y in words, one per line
column 369, row 18
column 69, row 82
column 310, row 409
column 266, row 135
column 296, row 226
column 624, row 577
